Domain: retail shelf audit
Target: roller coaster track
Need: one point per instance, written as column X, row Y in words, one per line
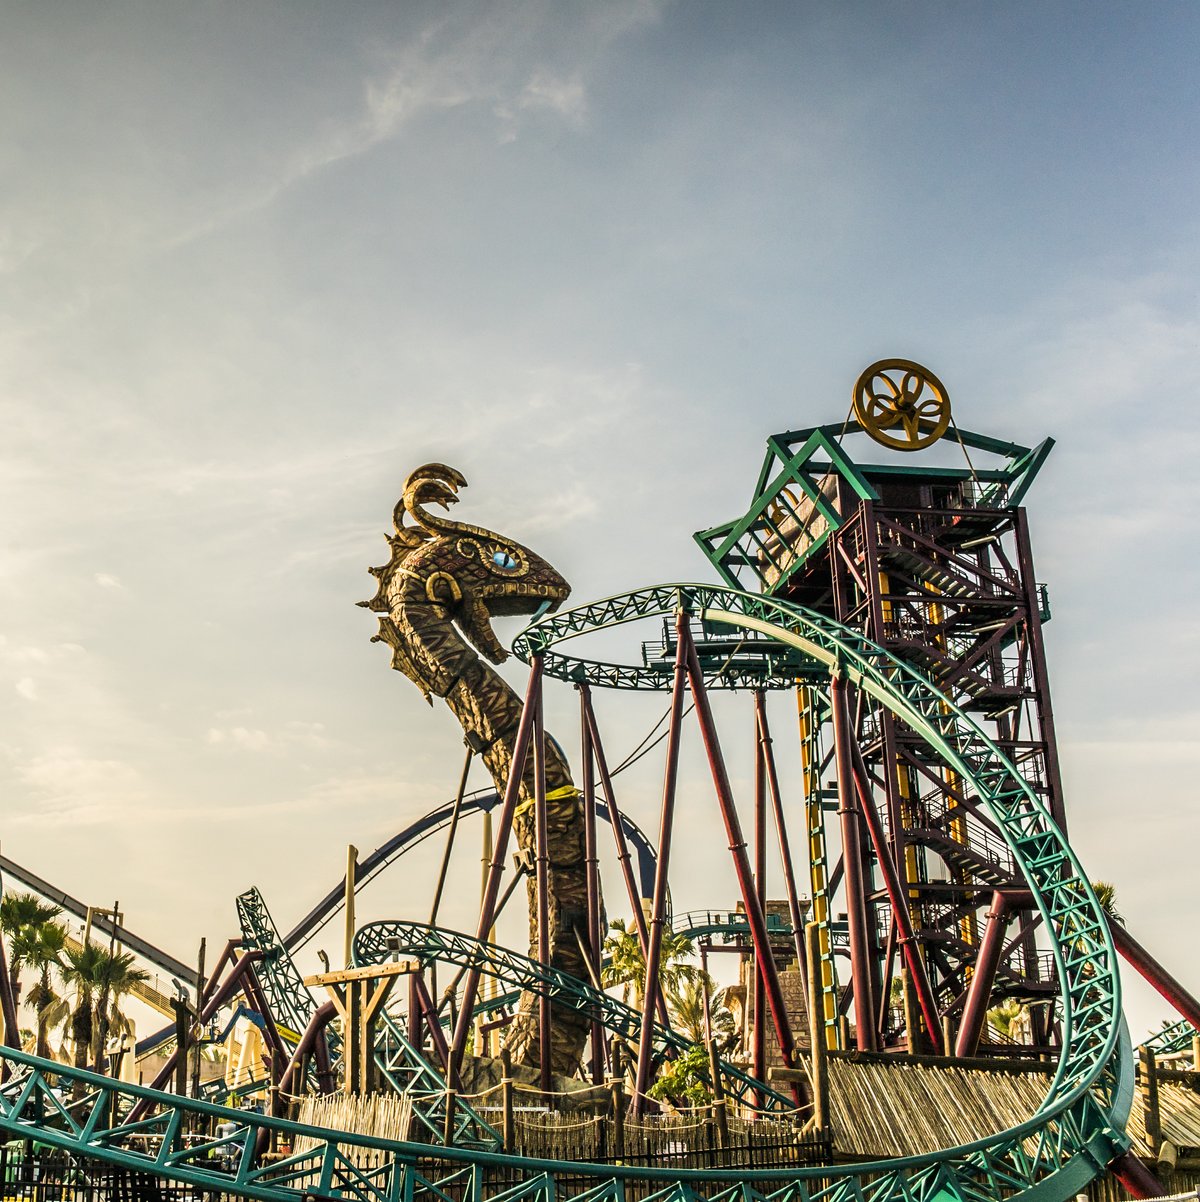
column 1174, row 1038
column 101, row 923
column 1075, row 1131
column 380, row 941
column 403, row 1066
column 430, row 824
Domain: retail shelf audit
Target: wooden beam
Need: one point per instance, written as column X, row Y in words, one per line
column 366, row 973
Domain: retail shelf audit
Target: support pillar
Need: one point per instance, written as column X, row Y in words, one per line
column 542, row 889
column 487, row 911
column 758, row 1059
column 737, row 848
column 785, row 850
column 359, row 995
column 658, row 914
column 902, row 919
column 1004, row 903
column 855, row 877
column 595, row 936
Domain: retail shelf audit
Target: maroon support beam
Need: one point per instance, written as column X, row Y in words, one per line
column 758, row 1052
column 217, row 999
column 624, row 858
column 1137, row 1180
column 491, row 891
column 658, row 914
column 623, row 855
column 416, row 1033
column 214, row 978
column 737, row 848
column 315, row 1030
column 8, row 1005
column 856, row 893
column 541, row 834
column 905, row 935
column 258, row 996
column 1005, row 902
column 595, row 936
column 1154, row 972
column 428, row 1011
column 785, row 847
column 325, row 1081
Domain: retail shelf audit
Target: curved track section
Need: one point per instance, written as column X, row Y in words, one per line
column 378, row 942
column 430, row 824
column 1087, row 1104
column 1075, row 1131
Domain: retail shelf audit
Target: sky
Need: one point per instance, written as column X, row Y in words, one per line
column 258, row 261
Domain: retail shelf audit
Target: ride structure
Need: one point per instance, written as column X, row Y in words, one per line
column 895, row 609
column 933, row 563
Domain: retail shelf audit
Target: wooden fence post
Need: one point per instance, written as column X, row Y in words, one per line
column 506, row 1093
column 1148, row 1089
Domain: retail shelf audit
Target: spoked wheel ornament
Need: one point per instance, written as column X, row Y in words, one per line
column 901, row 404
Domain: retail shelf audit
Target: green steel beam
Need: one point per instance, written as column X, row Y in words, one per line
column 1073, row 1133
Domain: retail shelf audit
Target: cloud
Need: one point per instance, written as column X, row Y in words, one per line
column 244, row 737
column 67, row 786
column 108, row 581
column 564, row 98
column 456, row 62
column 26, row 687
column 292, row 735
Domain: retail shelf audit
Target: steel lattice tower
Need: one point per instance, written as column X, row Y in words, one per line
column 931, row 559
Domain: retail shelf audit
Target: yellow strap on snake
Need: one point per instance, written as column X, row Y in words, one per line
column 554, row 795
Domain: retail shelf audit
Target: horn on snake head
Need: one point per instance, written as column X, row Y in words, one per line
column 431, row 484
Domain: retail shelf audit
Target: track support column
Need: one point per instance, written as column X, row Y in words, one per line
column 737, row 849
column 856, row 894
column 487, row 911
column 658, row 915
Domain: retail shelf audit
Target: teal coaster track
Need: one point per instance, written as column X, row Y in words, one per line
column 1075, row 1132
column 380, row 941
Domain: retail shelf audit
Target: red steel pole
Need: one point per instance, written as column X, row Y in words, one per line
column 856, row 900
column 1137, row 1179
column 595, row 936
column 1154, row 972
column 614, row 814
column 759, row 1049
column 215, row 1002
column 542, row 882
column 737, row 847
column 906, row 936
column 429, row 1012
column 987, row 961
column 658, row 914
column 623, row 855
column 487, row 911
column 785, row 848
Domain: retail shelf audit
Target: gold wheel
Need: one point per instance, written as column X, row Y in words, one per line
column 901, row 404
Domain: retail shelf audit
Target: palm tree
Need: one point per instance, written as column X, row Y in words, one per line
column 625, row 965
column 19, row 911
column 117, row 978
column 89, row 972
column 42, row 949
column 1106, row 895
column 685, row 1002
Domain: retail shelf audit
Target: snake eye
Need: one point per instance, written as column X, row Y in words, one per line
column 504, row 561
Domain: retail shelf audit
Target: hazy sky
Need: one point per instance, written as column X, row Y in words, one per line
column 259, row 260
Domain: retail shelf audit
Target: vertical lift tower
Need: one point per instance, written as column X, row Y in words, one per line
column 926, row 552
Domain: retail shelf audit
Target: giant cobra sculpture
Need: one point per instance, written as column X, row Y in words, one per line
column 437, row 594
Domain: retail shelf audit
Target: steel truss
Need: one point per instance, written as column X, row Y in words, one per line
column 934, row 564
column 1077, row 1129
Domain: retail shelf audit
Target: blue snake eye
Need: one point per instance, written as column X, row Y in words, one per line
column 504, row 561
